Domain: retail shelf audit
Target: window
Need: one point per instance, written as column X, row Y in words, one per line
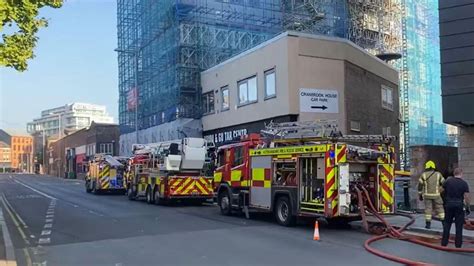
column 270, row 84
column 247, row 90
column 106, row 148
column 208, row 102
column 355, row 126
column 221, row 158
column 387, row 98
column 386, row 131
column 238, row 156
column 225, row 98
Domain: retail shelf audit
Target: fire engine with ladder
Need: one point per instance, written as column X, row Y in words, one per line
column 305, row 169
column 170, row 170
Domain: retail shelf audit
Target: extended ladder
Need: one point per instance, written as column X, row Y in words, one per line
column 317, row 131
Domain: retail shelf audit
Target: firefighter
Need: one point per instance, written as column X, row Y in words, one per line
column 457, row 195
column 429, row 187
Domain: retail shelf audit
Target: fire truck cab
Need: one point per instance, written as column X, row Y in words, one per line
column 304, row 176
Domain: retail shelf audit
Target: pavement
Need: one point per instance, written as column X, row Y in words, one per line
column 419, row 225
column 53, row 221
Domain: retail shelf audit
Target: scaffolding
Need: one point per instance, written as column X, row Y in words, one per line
column 164, row 45
column 420, row 78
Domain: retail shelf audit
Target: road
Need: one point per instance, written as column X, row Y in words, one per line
column 54, row 221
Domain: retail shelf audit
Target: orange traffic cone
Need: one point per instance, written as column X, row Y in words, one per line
column 316, row 231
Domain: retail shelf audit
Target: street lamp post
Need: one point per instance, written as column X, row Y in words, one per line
column 135, row 61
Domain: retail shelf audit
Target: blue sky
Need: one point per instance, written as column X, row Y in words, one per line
column 75, row 62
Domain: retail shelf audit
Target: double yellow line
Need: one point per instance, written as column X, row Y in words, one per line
column 20, row 226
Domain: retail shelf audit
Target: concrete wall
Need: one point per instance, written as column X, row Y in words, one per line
column 308, row 68
column 466, row 156
column 275, row 55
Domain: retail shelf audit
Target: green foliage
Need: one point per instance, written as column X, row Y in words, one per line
column 21, row 15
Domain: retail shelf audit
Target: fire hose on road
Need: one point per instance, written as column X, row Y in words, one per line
column 393, row 232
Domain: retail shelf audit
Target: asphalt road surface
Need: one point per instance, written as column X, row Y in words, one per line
column 53, row 221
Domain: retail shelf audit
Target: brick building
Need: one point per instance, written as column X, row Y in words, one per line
column 68, row 157
column 21, row 149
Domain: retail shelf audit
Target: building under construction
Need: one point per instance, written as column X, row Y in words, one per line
column 420, row 78
column 164, row 45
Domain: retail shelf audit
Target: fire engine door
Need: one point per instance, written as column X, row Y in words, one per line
column 311, row 192
column 260, row 187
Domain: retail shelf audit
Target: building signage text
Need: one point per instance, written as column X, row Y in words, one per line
column 228, row 135
column 288, row 150
column 319, row 101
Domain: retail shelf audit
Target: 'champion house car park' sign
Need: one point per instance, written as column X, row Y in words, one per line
column 319, row 101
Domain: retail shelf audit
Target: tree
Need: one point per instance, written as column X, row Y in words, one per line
column 21, row 18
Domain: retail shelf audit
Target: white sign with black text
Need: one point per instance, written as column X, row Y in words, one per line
column 319, row 101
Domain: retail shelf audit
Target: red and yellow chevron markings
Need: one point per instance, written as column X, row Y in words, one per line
column 331, row 206
column 386, row 187
column 182, row 186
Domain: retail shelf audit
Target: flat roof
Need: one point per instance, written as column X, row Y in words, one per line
column 297, row 34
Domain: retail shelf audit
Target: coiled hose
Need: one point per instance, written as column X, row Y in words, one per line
column 395, row 232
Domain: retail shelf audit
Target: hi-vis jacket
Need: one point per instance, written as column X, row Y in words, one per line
column 430, row 183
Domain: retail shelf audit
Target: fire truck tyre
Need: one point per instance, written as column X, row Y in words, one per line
column 224, row 202
column 283, row 212
column 130, row 193
column 149, row 195
column 156, row 196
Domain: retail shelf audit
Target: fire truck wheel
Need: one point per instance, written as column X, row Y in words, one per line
column 149, row 195
column 224, row 203
column 283, row 213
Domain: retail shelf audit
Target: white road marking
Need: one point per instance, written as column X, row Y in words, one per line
column 9, row 249
column 45, row 232
column 48, row 225
column 44, row 240
column 48, row 221
column 50, row 216
column 35, row 190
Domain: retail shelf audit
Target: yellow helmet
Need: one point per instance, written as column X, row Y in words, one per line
column 430, row 165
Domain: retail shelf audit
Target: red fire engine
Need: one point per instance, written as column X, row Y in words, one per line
column 301, row 170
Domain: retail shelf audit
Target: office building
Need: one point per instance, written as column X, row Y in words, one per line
column 300, row 77
column 62, row 120
column 456, row 23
